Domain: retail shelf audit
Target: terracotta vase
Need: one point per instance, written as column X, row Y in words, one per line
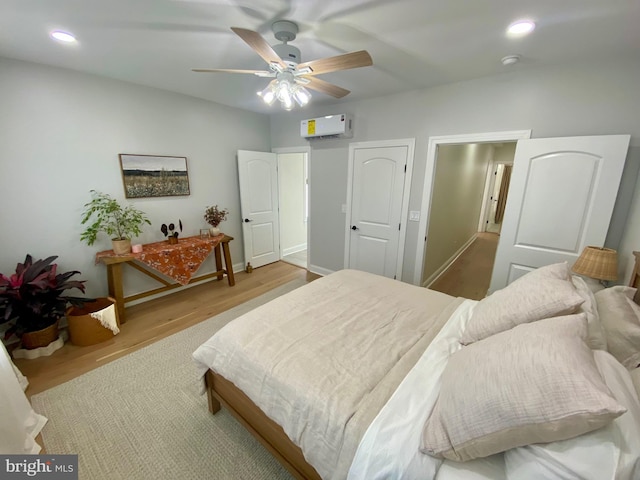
column 40, row 338
column 172, row 240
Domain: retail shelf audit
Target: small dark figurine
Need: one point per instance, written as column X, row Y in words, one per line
column 171, row 230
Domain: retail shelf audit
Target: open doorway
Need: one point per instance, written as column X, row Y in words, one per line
column 293, row 193
column 462, row 193
column 464, row 218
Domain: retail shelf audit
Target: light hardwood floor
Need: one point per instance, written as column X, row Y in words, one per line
column 151, row 321
column 469, row 275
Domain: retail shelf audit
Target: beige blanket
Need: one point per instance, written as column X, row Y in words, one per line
column 322, row 360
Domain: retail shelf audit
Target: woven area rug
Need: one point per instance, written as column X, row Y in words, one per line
column 143, row 417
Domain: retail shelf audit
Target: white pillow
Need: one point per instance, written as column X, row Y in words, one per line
column 597, row 339
column 537, row 382
column 615, row 446
column 620, row 318
column 542, row 293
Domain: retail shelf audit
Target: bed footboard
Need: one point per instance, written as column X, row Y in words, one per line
column 221, row 391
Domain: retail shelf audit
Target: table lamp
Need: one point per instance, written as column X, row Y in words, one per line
column 599, row 263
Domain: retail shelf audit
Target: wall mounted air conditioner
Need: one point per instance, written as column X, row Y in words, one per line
column 330, row 126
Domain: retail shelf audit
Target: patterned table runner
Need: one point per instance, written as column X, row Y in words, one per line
column 179, row 261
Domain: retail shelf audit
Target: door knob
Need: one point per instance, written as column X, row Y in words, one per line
column 246, row 220
column 354, row 228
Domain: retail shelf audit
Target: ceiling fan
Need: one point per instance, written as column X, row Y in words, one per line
column 290, row 77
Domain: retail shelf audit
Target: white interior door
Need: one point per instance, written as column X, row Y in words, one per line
column 258, row 176
column 375, row 206
column 561, row 198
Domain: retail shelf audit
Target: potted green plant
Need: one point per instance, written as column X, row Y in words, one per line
column 32, row 300
column 214, row 215
column 108, row 216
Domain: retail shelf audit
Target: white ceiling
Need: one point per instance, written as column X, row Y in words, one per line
column 414, row 43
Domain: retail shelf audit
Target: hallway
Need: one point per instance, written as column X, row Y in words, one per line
column 469, row 275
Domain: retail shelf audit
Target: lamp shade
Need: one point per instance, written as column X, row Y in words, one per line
column 597, row 262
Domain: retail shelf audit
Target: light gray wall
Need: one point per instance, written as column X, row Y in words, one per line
column 60, row 136
column 293, row 228
column 582, row 99
column 327, row 193
column 456, row 203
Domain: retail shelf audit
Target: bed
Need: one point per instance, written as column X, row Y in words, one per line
column 348, row 377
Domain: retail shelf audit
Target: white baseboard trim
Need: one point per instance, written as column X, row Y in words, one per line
column 319, row 270
column 294, row 249
column 427, row 283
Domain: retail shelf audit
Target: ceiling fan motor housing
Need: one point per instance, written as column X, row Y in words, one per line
column 288, row 53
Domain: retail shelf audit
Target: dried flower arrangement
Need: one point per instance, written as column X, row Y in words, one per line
column 213, row 215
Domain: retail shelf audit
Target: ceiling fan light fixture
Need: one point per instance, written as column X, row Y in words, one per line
column 287, row 103
column 283, row 91
column 268, row 94
column 301, row 95
column 291, row 76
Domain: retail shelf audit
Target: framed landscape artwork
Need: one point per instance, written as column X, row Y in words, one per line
column 154, row 175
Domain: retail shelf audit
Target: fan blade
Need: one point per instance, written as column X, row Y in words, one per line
column 260, row 45
column 326, row 87
column 260, row 73
column 341, row 62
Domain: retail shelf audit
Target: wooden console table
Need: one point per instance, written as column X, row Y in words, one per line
column 178, row 261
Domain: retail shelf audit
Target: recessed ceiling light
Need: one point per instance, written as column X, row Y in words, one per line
column 63, row 36
column 521, row 27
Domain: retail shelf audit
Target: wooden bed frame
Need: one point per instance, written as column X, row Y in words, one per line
column 270, row 434
column 267, row 432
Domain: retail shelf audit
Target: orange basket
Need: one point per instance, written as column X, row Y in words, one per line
column 83, row 328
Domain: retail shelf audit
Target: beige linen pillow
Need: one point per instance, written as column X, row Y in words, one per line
column 620, row 318
column 535, row 383
column 542, row 293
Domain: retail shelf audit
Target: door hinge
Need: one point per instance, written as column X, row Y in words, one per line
column 405, row 168
column 399, row 226
column 394, row 277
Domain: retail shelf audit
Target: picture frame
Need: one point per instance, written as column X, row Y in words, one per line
column 154, row 175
